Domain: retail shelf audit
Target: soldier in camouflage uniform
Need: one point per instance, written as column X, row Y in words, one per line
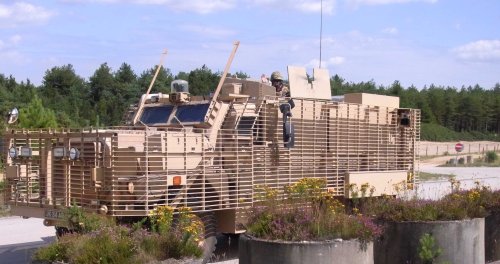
column 277, row 82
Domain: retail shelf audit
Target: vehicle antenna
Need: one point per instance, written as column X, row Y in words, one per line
column 222, row 79
column 157, row 71
column 320, row 33
column 141, row 103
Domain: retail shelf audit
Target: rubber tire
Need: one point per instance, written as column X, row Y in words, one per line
column 210, row 224
column 61, row 231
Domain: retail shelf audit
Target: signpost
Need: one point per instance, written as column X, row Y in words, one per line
column 458, row 147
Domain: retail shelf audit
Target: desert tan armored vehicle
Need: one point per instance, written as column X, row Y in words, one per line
column 209, row 153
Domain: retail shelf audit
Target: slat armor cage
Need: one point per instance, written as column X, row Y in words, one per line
column 128, row 171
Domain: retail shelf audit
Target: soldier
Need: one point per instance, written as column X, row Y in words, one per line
column 277, row 82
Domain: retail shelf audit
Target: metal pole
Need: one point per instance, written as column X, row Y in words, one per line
column 321, row 34
column 236, row 44
column 141, row 103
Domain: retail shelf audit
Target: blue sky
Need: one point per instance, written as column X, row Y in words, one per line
column 417, row 42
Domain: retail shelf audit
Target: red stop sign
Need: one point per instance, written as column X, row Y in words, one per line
column 459, row 147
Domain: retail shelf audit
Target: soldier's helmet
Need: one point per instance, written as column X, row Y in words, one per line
column 276, row 76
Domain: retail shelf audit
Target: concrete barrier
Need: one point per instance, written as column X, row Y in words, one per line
column 492, row 236
column 460, row 241
column 259, row 251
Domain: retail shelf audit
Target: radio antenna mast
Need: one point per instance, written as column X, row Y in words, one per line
column 321, row 34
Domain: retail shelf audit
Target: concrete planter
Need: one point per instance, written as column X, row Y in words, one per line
column 256, row 251
column 460, row 241
column 492, row 236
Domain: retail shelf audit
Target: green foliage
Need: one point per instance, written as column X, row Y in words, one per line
column 448, row 113
column 82, row 222
column 241, row 75
column 67, row 95
column 435, row 132
column 202, row 81
column 162, row 83
column 491, row 156
column 428, row 249
column 37, row 116
column 57, row 251
column 107, row 245
column 470, row 113
column 98, row 241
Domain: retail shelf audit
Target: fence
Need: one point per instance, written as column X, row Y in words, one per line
column 428, row 148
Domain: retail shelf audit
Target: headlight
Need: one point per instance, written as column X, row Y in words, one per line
column 74, row 153
column 25, row 152
column 13, row 152
column 59, row 152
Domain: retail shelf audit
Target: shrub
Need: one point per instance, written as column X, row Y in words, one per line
column 305, row 211
column 491, row 156
column 428, row 249
column 99, row 240
column 107, row 245
column 82, row 222
column 54, row 252
column 458, row 205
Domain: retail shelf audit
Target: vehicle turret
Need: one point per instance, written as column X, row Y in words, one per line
column 179, row 92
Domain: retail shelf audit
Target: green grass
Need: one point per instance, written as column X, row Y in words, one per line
column 426, row 176
column 480, row 162
column 429, row 157
column 435, row 132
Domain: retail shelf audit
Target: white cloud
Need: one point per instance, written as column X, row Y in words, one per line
column 15, row 39
column 211, row 6
column 197, row 6
column 333, row 61
column 10, row 42
column 384, row 2
column 208, row 31
column 481, row 50
column 306, row 6
column 23, row 13
column 9, row 52
column 391, row 30
column 14, row 58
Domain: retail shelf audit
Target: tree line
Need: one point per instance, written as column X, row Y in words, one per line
column 448, row 113
column 65, row 99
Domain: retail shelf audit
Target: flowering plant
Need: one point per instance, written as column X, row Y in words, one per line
column 458, row 205
column 305, row 211
column 97, row 240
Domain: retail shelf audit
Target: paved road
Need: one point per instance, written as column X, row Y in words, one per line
column 468, row 176
column 20, row 237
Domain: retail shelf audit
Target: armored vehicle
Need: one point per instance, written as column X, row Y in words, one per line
column 209, row 152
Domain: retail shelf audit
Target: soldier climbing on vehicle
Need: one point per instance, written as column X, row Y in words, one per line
column 277, row 82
